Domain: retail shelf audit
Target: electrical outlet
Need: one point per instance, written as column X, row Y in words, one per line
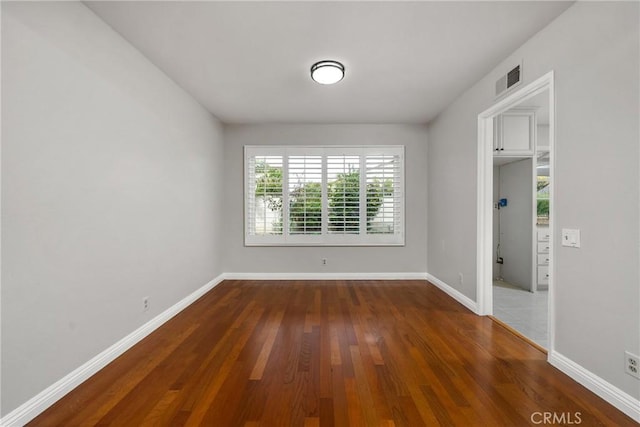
column 324, row 261
column 145, row 303
column 632, row 364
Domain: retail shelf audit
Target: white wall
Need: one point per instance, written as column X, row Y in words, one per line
column 516, row 222
column 410, row 258
column 593, row 48
column 542, row 136
column 451, row 190
column 111, row 182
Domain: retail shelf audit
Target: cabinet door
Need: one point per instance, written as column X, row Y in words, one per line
column 543, row 235
column 543, row 275
column 543, row 247
column 497, row 134
column 517, row 134
column 514, row 134
column 543, row 259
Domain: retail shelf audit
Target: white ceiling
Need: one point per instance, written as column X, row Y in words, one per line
column 248, row 62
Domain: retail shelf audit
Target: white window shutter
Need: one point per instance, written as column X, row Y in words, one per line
column 324, row 195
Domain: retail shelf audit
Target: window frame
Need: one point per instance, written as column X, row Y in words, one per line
column 397, row 238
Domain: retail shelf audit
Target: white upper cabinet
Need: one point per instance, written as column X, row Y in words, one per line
column 515, row 133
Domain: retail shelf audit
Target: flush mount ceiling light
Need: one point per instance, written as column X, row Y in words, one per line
column 327, row 72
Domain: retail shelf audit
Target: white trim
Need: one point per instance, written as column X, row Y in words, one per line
column 484, row 217
column 1, row 233
column 37, row 404
column 551, row 322
column 326, row 276
column 484, row 256
column 607, row 391
column 454, row 293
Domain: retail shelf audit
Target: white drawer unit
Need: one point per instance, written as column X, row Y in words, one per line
column 543, row 275
column 543, row 259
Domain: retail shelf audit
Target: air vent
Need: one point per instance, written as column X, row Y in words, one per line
column 509, row 80
column 513, row 77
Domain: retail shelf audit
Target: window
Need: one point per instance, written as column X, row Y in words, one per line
column 542, row 200
column 315, row 196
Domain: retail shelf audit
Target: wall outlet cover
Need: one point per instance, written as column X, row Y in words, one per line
column 632, row 364
column 571, row 237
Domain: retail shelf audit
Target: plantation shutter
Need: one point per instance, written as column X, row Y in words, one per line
column 305, row 194
column 324, row 195
column 384, row 193
column 265, row 194
column 343, row 188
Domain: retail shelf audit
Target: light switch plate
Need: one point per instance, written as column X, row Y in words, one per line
column 571, row 238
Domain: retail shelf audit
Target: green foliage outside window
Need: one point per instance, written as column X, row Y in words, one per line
column 543, row 208
column 305, row 209
column 543, row 198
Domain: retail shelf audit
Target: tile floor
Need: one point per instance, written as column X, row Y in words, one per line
column 524, row 311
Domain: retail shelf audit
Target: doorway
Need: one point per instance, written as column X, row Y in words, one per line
column 515, row 211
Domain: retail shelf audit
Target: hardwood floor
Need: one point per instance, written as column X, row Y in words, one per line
column 331, row 353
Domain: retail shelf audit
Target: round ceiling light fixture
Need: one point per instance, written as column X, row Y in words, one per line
column 327, row 72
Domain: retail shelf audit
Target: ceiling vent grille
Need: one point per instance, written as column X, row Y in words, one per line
column 509, row 80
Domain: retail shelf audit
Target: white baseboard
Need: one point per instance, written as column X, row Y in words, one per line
column 37, row 404
column 325, row 276
column 607, row 391
column 454, row 293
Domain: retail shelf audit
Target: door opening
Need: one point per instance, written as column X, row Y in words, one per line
column 515, row 241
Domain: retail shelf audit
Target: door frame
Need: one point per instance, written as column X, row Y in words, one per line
column 484, row 260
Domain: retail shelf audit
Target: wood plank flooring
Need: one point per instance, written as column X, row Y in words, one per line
column 330, row 353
